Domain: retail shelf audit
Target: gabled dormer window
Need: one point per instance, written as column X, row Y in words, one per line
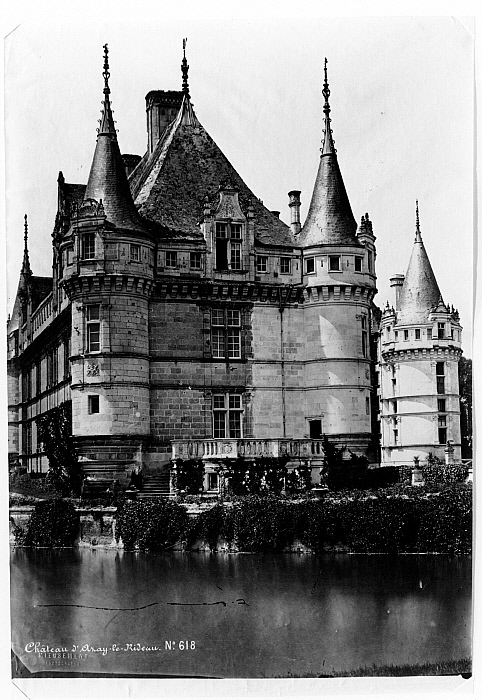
column 228, row 241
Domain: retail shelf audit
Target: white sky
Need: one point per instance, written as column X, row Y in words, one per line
column 402, row 119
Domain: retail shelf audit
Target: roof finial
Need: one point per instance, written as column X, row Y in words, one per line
column 106, row 73
column 328, row 143
column 185, row 70
column 418, row 235
column 26, row 260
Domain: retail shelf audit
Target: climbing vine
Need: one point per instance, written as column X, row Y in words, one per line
column 55, row 433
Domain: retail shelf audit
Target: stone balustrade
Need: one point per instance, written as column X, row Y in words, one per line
column 213, row 449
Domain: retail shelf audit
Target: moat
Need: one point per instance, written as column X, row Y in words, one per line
column 235, row 615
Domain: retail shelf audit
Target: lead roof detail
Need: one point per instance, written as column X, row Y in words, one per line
column 330, row 220
column 420, row 292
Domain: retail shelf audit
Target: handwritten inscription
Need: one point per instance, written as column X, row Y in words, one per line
column 81, row 651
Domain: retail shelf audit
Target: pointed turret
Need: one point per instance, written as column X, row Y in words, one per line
column 330, row 220
column 107, row 178
column 420, row 291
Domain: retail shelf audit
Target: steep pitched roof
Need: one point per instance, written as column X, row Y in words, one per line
column 330, row 220
column 107, row 178
column 420, row 291
column 186, row 166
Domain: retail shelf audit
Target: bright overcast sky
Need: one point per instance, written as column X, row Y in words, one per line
column 402, row 119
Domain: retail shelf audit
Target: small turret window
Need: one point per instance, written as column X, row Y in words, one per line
column 441, row 331
column 440, row 374
column 429, row 334
column 135, row 253
column 93, row 328
column 94, row 406
column 334, row 263
column 358, row 264
column 88, row 246
column 285, row 265
column 417, row 333
column 171, row 258
column 405, row 335
column 370, row 261
column 310, row 265
column 261, row 263
column 195, row 261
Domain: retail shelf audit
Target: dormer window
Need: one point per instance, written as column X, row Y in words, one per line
column 88, row 246
column 228, row 238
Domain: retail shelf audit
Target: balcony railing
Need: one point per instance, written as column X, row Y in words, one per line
column 248, row 447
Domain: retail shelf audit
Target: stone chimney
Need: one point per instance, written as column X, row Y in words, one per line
column 295, row 205
column 130, row 162
column 162, row 107
column 397, row 282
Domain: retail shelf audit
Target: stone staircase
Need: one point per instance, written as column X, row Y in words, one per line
column 154, row 485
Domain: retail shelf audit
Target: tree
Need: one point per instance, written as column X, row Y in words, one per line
column 465, row 390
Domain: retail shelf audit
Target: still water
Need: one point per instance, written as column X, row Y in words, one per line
column 235, row 615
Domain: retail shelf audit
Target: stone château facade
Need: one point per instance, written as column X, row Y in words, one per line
column 185, row 320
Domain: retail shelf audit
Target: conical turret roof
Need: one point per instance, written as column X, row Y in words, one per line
column 107, row 178
column 420, row 291
column 330, row 220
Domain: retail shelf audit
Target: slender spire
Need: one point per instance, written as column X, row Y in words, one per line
column 330, row 220
column 26, row 269
column 418, row 235
column 107, row 179
column 107, row 125
column 328, row 143
column 185, row 71
column 420, row 291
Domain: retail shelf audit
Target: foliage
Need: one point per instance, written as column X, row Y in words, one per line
column 299, row 480
column 465, row 390
column 53, row 523
column 244, row 477
column 259, row 524
column 39, row 486
column 445, row 473
column 190, row 476
column 381, row 477
column 391, row 520
column 156, row 523
column 340, row 472
column 55, row 432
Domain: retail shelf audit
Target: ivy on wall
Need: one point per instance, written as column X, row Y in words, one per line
column 55, row 433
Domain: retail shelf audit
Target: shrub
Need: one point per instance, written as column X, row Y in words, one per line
column 156, row 523
column 299, row 480
column 444, row 474
column 260, row 524
column 260, row 475
column 446, row 522
column 381, row 477
column 190, row 476
column 54, row 430
column 53, row 523
column 209, row 526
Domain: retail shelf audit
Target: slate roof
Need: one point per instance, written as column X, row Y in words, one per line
column 40, row 287
column 170, row 186
column 107, row 179
column 330, row 220
column 420, row 291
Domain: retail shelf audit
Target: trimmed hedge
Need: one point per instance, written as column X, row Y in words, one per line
column 53, row 523
column 156, row 523
column 386, row 521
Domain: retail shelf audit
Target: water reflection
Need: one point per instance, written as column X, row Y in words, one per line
column 303, row 614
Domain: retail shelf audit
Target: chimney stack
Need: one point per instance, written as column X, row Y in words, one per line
column 295, row 205
column 397, row 282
